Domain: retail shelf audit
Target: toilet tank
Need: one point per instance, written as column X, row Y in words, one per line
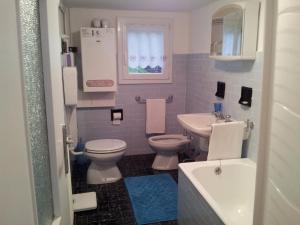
column 99, row 59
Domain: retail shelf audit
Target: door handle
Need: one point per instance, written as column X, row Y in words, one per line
column 66, row 152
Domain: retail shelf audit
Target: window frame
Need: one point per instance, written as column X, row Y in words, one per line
column 127, row 78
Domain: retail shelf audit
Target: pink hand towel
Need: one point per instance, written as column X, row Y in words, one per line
column 156, row 116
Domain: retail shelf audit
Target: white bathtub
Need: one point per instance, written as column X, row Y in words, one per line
column 230, row 195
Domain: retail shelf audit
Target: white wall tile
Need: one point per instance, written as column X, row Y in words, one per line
column 195, row 77
column 202, row 76
column 95, row 123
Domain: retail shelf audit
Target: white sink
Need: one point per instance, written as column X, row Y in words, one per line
column 198, row 123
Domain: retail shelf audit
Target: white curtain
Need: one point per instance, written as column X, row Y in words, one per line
column 232, row 34
column 145, row 50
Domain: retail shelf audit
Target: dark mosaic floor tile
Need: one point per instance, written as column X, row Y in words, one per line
column 165, row 223
column 114, row 207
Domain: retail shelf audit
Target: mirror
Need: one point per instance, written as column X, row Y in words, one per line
column 227, row 31
column 234, row 31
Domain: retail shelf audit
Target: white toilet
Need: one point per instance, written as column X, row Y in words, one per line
column 104, row 154
column 167, row 148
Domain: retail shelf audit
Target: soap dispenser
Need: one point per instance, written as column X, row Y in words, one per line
column 220, row 89
column 246, row 96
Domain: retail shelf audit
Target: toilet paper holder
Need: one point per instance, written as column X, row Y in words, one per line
column 113, row 111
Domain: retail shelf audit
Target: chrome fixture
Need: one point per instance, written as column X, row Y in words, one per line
column 228, row 119
column 221, row 116
column 218, row 170
column 250, row 124
column 141, row 100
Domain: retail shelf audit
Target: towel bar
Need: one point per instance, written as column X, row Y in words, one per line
column 141, row 100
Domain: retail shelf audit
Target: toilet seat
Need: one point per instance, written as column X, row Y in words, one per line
column 105, row 146
column 168, row 142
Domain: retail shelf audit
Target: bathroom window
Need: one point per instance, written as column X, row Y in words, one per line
column 145, row 50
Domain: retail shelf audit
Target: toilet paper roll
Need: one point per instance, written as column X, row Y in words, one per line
column 116, row 122
column 117, row 116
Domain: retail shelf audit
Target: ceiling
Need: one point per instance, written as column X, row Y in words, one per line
column 156, row 5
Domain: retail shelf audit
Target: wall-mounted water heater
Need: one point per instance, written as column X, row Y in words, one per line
column 99, row 59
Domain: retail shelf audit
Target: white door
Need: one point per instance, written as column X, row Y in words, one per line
column 279, row 203
column 51, row 47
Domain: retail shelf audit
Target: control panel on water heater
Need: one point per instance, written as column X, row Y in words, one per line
column 99, row 59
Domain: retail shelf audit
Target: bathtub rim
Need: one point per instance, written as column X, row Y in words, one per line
column 187, row 168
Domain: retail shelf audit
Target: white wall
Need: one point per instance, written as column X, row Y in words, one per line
column 80, row 17
column 17, row 206
column 96, row 123
column 192, row 30
column 201, row 26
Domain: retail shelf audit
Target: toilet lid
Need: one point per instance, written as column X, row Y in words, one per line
column 105, row 146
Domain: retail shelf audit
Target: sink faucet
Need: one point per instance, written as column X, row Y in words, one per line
column 220, row 116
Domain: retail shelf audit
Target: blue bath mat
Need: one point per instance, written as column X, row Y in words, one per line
column 154, row 198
